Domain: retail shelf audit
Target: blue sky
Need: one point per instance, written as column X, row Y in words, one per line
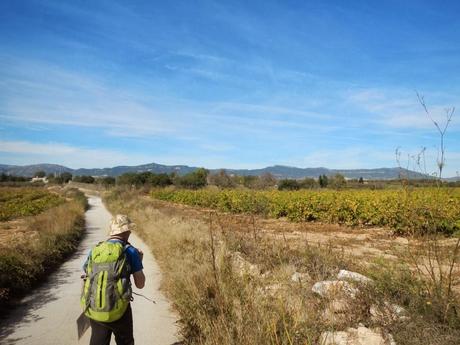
column 226, row 83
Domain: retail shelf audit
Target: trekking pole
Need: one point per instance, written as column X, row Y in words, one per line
column 141, row 295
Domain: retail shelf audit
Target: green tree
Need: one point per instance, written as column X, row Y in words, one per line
column 160, row 180
column 323, row 181
column 84, row 179
column 66, row 177
column 338, row 181
column 265, row 180
column 288, row 184
column 250, row 181
column 12, row 178
column 107, row 181
column 194, row 180
column 221, row 179
column 308, row 183
column 129, row 179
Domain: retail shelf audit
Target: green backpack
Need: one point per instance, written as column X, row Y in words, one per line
column 107, row 289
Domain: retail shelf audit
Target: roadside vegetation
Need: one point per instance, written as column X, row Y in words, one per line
column 39, row 228
column 233, row 284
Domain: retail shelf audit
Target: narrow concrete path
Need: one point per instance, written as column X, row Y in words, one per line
column 48, row 315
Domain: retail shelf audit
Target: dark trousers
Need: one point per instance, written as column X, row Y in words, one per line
column 101, row 332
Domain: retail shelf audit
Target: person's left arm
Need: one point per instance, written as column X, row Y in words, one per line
column 137, row 256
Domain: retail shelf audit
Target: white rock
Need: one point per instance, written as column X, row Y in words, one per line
column 355, row 336
column 300, row 277
column 334, row 288
column 357, row 277
column 334, row 338
column 272, row 290
column 335, row 311
column 243, row 266
column 388, row 312
column 391, row 340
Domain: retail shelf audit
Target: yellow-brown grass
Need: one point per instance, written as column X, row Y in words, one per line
column 31, row 246
column 219, row 303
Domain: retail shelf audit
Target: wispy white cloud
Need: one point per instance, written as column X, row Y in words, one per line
column 25, row 152
column 217, row 147
column 267, row 109
column 57, row 96
column 53, row 95
column 400, row 108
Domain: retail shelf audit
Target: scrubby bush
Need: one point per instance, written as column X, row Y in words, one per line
column 308, row 183
column 84, row 179
column 160, row 180
column 66, row 177
column 107, row 181
column 221, row 179
column 249, row 181
column 337, row 181
column 288, row 184
column 144, row 179
column 265, row 181
column 193, row 180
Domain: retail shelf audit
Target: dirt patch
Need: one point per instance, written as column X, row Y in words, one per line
column 358, row 241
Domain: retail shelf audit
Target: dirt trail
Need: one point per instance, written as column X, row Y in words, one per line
column 48, row 315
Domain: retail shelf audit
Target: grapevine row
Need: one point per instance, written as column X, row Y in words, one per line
column 418, row 211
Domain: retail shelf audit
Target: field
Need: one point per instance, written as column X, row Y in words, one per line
column 38, row 228
column 240, row 277
column 417, row 211
column 19, row 202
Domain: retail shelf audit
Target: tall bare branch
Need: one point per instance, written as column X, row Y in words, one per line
column 449, row 112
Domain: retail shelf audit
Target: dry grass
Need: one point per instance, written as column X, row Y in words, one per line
column 31, row 246
column 223, row 303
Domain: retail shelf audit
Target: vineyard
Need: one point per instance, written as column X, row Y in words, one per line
column 417, row 211
column 19, row 202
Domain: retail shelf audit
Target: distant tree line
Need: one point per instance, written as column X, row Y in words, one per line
column 65, row 177
column 337, row 181
column 202, row 177
column 11, row 178
column 194, row 180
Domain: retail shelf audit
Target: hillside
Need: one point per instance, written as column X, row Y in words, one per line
column 279, row 171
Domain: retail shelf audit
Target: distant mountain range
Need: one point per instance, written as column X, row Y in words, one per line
column 279, row 171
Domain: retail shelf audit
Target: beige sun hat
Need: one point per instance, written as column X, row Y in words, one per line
column 120, row 224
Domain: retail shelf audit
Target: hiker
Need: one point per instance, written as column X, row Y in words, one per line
column 107, row 289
